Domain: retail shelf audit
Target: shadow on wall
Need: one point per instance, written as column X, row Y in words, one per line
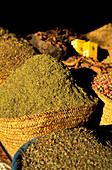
column 102, row 54
column 84, row 77
column 26, row 19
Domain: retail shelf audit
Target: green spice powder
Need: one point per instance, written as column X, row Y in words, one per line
column 41, row 83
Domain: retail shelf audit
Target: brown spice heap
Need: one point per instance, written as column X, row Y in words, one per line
column 59, row 37
column 83, row 62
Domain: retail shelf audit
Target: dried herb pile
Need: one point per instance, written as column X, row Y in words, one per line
column 71, row 149
column 40, row 84
column 14, row 52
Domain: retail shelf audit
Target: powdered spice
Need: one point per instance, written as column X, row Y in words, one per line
column 40, row 84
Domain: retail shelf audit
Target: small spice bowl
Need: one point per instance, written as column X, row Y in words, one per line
column 47, row 49
column 16, row 162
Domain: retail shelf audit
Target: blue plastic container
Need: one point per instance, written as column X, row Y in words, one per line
column 17, row 160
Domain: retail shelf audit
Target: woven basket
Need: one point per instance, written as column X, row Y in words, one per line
column 106, row 118
column 14, row 132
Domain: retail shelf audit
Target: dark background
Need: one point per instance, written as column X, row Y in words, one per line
column 30, row 17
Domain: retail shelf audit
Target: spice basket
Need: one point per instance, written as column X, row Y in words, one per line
column 107, row 110
column 14, row 132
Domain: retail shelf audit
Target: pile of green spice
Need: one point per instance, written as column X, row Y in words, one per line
column 76, row 148
column 40, row 84
column 14, row 51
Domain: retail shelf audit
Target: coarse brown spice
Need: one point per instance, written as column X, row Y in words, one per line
column 76, row 148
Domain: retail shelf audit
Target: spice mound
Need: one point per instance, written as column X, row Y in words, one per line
column 14, row 51
column 40, row 84
column 76, row 148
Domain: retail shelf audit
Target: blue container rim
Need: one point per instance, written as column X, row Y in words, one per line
column 16, row 162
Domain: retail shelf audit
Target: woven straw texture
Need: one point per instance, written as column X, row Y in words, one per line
column 106, row 118
column 4, row 76
column 14, row 132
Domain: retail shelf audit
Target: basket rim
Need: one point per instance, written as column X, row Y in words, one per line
column 103, row 98
column 15, row 132
column 30, row 116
